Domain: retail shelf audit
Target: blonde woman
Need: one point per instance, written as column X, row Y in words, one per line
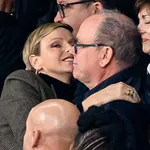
column 48, row 75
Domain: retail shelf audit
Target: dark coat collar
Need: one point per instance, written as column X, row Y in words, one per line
column 127, row 76
column 62, row 90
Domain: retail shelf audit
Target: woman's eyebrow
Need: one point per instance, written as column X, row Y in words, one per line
column 143, row 16
column 58, row 38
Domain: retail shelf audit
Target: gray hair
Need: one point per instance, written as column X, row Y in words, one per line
column 120, row 33
column 92, row 139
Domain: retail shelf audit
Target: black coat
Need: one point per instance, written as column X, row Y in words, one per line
column 14, row 31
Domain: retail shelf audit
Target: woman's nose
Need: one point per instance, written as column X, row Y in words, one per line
column 71, row 50
column 141, row 28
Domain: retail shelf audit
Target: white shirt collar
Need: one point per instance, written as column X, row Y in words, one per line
column 148, row 69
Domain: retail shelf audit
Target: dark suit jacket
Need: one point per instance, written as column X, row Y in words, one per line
column 22, row 91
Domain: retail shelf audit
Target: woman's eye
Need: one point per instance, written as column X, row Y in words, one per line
column 71, row 43
column 147, row 22
column 55, row 46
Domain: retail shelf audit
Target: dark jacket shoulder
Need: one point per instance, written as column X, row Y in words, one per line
column 24, row 75
column 21, row 92
column 31, row 79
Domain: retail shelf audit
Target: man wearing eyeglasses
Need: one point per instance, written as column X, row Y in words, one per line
column 74, row 12
column 106, row 51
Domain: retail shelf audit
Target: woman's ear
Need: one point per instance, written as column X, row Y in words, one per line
column 36, row 138
column 97, row 7
column 35, row 62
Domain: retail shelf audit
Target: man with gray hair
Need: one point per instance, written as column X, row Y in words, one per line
column 106, row 51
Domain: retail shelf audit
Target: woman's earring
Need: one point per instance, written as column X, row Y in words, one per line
column 36, row 71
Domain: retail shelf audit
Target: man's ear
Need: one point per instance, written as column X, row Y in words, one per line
column 36, row 138
column 35, row 61
column 97, row 7
column 106, row 56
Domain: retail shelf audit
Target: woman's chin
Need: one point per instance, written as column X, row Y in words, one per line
column 146, row 49
column 68, row 69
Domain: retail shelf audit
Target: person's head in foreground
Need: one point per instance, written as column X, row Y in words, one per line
column 74, row 12
column 143, row 10
column 106, row 44
column 51, row 125
column 102, row 129
column 46, row 51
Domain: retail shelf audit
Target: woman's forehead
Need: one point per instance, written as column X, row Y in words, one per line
column 59, row 33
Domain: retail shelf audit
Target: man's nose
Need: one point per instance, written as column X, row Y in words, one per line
column 58, row 18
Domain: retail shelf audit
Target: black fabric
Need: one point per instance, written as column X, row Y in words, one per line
column 6, row 19
column 46, row 9
column 63, row 90
column 132, row 123
column 79, row 94
column 14, row 31
column 148, row 79
column 128, row 76
column 124, row 6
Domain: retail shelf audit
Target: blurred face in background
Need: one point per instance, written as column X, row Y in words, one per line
column 144, row 26
column 73, row 14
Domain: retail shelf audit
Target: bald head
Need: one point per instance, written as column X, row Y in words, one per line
column 55, row 120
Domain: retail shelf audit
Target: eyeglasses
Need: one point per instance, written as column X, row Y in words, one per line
column 61, row 7
column 86, row 45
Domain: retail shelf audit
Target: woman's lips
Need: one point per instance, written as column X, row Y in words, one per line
column 144, row 40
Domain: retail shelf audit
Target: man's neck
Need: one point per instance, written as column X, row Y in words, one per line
column 110, row 71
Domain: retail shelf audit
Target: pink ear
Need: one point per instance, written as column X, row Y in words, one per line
column 35, row 138
column 106, row 56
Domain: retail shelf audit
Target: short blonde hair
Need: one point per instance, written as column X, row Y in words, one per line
column 32, row 45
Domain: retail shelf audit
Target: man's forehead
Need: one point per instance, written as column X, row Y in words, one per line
column 86, row 35
column 88, row 29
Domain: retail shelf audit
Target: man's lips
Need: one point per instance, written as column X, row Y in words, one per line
column 74, row 63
